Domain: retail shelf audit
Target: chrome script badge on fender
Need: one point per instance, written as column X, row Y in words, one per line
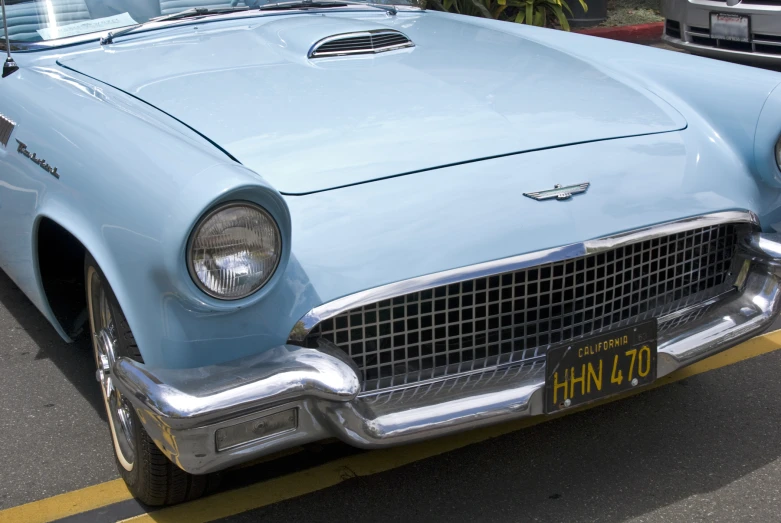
column 22, row 149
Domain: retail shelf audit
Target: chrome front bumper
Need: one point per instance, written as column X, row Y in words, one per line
column 317, row 394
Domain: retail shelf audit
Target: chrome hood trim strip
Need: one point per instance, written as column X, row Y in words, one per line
column 304, row 326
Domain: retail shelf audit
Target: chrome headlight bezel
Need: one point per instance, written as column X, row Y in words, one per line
column 199, row 227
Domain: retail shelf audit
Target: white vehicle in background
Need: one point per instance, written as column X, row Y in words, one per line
column 745, row 30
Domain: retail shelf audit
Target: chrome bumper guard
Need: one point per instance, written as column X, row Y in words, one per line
column 211, row 418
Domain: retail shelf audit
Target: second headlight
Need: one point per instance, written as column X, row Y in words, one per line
column 234, row 250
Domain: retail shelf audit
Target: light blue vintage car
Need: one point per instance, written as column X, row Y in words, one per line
column 303, row 220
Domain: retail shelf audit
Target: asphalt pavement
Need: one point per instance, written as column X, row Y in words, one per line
column 705, row 448
column 53, row 432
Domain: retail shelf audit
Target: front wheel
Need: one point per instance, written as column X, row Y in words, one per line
column 150, row 476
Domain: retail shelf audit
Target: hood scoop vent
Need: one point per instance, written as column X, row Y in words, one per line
column 364, row 42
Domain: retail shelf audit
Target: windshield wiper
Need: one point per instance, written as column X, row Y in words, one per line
column 313, row 4
column 205, row 11
column 188, row 13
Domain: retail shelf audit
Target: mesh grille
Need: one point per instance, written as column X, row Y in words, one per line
column 495, row 377
column 513, row 317
column 362, row 43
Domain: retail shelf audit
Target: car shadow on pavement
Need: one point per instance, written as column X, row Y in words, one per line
column 74, row 360
column 707, row 443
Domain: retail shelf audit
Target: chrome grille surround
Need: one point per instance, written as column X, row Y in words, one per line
column 508, row 312
column 188, row 406
column 366, row 42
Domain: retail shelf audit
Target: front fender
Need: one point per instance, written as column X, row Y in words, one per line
column 132, row 185
column 720, row 100
column 767, row 134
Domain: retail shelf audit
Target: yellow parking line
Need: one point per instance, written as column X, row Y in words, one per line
column 278, row 489
column 323, row 476
column 68, row 504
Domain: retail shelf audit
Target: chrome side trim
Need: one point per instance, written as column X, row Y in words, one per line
column 304, row 326
column 6, row 128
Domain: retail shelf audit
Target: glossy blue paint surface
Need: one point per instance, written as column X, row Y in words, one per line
column 355, row 115
column 134, row 179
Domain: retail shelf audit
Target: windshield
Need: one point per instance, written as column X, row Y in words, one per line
column 41, row 20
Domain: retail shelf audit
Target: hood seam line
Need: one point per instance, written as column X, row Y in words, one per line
column 196, row 131
column 485, row 158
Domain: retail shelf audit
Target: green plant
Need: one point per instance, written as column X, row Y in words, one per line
column 532, row 12
column 539, row 12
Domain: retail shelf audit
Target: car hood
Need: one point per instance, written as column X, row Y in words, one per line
column 463, row 93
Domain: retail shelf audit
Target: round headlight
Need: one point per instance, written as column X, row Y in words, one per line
column 234, row 251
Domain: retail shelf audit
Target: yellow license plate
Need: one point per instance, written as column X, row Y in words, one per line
column 599, row 366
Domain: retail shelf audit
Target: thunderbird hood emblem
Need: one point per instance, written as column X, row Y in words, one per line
column 560, row 192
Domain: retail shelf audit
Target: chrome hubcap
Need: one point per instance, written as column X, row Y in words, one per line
column 105, row 344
